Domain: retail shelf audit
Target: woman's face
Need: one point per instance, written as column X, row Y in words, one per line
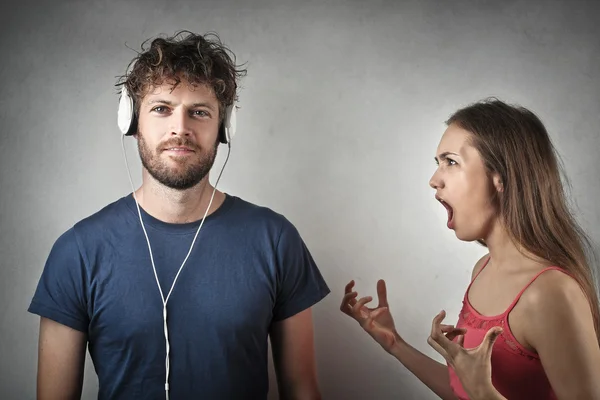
column 464, row 186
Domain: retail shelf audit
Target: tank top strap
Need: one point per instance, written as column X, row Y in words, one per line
column 516, row 300
column 481, row 269
column 475, row 277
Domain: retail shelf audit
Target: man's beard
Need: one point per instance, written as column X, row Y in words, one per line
column 191, row 171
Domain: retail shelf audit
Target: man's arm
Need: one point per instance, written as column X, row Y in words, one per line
column 292, row 344
column 61, row 360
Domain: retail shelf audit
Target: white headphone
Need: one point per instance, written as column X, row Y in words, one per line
column 127, row 118
column 127, row 122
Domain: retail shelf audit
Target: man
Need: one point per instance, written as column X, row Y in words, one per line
column 223, row 273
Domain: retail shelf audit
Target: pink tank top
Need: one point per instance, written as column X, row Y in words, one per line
column 517, row 372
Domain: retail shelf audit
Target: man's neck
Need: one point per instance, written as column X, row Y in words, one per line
column 177, row 206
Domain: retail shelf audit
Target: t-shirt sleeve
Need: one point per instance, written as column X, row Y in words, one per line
column 300, row 283
column 61, row 291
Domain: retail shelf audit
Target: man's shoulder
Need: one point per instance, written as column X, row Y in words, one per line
column 91, row 230
column 111, row 216
column 263, row 221
column 258, row 212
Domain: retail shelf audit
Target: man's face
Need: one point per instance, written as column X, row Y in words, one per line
column 178, row 133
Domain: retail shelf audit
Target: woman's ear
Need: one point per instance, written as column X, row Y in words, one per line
column 498, row 183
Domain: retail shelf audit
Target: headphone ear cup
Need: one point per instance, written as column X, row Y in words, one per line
column 134, row 124
column 231, row 122
column 227, row 128
column 125, row 114
column 222, row 133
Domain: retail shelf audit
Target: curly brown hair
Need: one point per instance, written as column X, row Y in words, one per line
column 184, row 57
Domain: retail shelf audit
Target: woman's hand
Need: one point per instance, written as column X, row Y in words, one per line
column 472, row 366
column 378, row 321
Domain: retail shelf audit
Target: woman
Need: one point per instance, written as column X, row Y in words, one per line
column 530, row 323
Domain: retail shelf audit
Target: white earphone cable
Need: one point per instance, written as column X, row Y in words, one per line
column 165, row 300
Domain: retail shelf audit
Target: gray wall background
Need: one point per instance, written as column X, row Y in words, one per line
column 342, row 110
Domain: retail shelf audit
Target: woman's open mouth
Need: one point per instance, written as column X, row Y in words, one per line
column 450, row 210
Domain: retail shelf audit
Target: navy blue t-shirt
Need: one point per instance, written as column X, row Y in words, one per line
column 249, row 268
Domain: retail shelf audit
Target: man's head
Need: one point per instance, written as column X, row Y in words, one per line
column 181, row 87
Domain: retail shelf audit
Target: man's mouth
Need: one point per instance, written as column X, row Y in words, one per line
column 179, row 149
